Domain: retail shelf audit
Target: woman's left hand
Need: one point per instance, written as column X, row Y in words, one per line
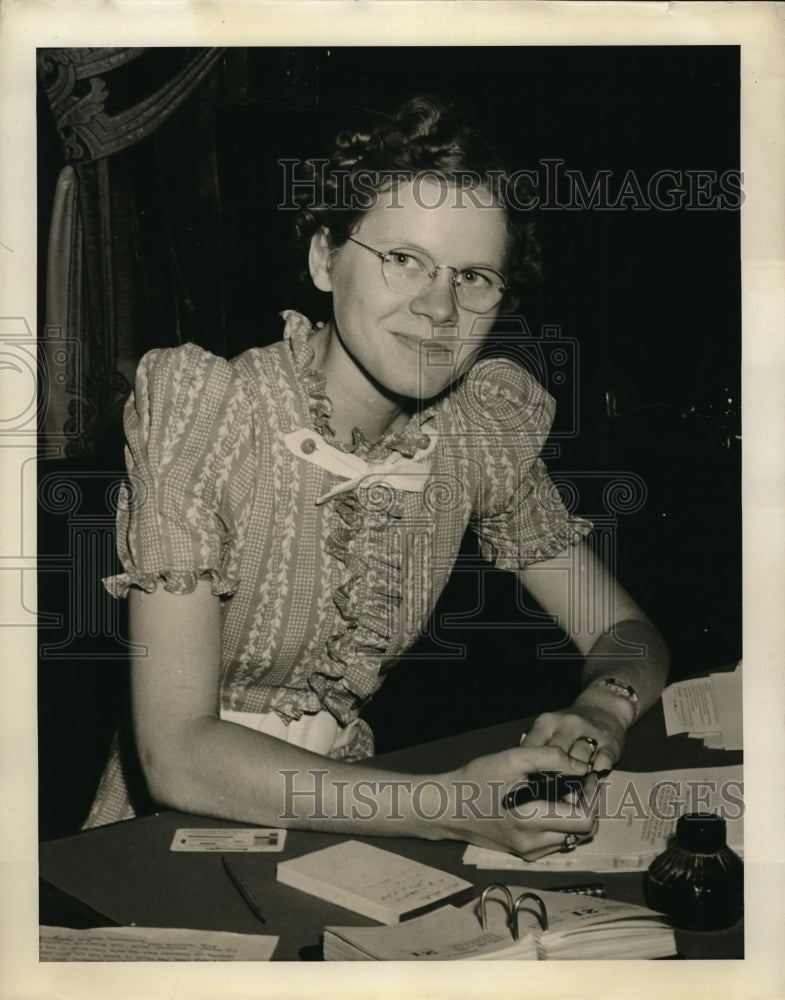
column 566, row 727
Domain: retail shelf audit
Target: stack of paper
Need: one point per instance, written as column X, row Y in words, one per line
column 379, row 884
column 638, row 814
column 707, row 708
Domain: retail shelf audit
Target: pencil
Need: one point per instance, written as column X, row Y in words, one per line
column 247, row 898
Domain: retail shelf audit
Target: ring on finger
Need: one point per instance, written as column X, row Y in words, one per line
column 593, row 744
column 570, row 843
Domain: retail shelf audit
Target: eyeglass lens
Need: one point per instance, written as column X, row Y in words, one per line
column 409, row 272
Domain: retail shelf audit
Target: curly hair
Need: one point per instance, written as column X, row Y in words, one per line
column 424, row 136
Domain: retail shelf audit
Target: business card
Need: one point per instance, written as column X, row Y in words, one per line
column 254, row 839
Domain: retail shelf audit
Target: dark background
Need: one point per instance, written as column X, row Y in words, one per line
column 651, row 298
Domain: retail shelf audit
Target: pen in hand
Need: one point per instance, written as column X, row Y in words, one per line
column 548, row 786
column 551, row 786
column 247, row 898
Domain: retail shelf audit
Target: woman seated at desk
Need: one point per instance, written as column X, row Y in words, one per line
column 293, row 514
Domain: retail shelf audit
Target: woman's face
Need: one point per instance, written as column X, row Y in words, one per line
column 413, row 345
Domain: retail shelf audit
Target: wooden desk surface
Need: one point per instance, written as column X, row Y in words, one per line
column 127, row 872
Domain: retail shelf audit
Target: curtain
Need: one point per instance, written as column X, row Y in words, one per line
column 135, row 242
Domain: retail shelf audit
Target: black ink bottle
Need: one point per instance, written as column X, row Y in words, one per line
column 698, row 881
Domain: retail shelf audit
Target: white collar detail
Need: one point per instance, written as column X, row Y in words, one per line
column 397, row 471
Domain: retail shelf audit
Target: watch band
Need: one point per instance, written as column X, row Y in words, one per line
column 621, row 690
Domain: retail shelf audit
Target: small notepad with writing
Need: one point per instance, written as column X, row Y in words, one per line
column 378, row 884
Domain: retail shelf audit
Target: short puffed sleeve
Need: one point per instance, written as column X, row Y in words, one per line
column 188, row 430
column 519, row 517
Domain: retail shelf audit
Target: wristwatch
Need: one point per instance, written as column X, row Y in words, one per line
column 621, row 690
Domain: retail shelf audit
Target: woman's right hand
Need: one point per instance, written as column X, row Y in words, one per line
column 477, row 790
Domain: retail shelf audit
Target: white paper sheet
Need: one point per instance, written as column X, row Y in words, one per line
column 152, row 944
column 707, row 708
column 689, row 707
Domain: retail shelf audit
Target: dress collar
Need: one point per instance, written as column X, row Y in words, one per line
column 412, row 439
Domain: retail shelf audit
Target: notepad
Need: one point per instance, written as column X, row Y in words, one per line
column 378, row 884
column 577, row 929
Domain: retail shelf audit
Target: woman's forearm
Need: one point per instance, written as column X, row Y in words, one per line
column 217, row 768
column 633, row 654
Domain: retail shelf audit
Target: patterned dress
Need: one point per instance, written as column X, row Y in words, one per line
column 329, row 561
